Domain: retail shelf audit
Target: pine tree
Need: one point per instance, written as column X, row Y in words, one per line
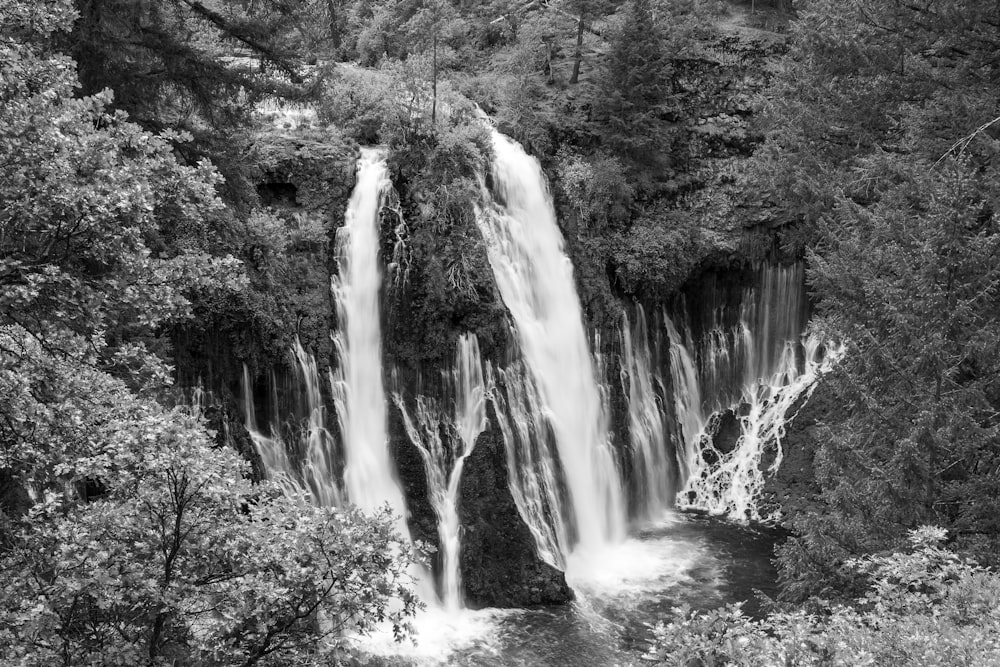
column 636, row 87
column 882, row 147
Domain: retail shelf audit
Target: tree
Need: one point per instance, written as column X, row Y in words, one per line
column 433, row 21
column 911, row 282
column 882, row 153
column 137, row 540
column 85, row 198
column 871, row 75
column 176, row 557
column 635, row 90
column 189, row 66
column 585, row 10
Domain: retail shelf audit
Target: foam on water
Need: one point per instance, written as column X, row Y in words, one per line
column 642, row 564
column 438, row 635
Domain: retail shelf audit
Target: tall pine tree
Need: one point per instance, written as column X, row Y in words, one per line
column 636, row 89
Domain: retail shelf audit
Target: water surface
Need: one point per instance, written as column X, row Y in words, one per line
column 682, row 559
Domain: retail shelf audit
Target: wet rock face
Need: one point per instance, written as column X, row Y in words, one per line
column 725, row 430
column 498, row 562
column 794, row 489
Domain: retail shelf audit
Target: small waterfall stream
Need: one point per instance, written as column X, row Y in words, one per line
column 535, row 278
column 756, row 369
column 307, row 465
column 445, row 433
column 532, row 461
column 654, row 471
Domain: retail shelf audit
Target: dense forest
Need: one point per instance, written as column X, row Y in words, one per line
column 173, row 175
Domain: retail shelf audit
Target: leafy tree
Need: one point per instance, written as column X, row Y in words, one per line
column 85, row 198
column 176, row 558
column 881, row 144
column 137, row 541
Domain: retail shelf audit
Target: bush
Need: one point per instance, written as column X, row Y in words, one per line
column 924, row 608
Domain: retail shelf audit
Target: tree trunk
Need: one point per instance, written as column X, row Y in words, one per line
column 578, row 56
column 549, row 48
column 331, row 10
column 434, row 84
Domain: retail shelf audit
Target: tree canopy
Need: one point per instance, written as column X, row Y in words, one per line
column 138, row 540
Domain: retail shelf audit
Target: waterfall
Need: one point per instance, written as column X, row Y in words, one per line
column 307, row 466
column 535, row 279
column 532, row 461
column 653, row 472
column 445, row 435
column 320, row 466
column 758, row 367
column 356, row 384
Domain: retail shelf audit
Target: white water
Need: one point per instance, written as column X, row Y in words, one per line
column 356, row 384
column 319, row 468
column 760, row 369
column 445, row 435
column 532, row 461
column 307, row 467
column 535, row 278
column 652, row 469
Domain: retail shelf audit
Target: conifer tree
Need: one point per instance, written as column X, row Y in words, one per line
column 882, row 151
column 636, row 88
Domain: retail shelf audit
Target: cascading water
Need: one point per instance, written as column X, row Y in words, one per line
column 319, row 469
column 532, row 461
column 653, row 471
column 309, row 465
column 356, row 384
column 445, row 435
column 759, row 368
column 535, row 279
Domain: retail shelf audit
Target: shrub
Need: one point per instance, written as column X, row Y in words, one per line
column 924, row 608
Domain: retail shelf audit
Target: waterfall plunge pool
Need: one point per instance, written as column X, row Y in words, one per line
column 683, row 559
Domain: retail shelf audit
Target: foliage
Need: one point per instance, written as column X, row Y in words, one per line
column 358, row 102
column 178, row 558
column 911, row 281
column 871, row 75
column 596, row 188
column 927, row 607
column 136, row 540
column 881, row 145
column 86, row 199
column 658, row 252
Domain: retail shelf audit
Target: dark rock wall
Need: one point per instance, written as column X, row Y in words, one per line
column 794, row 489
column 304, row 178
column 498, row 562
